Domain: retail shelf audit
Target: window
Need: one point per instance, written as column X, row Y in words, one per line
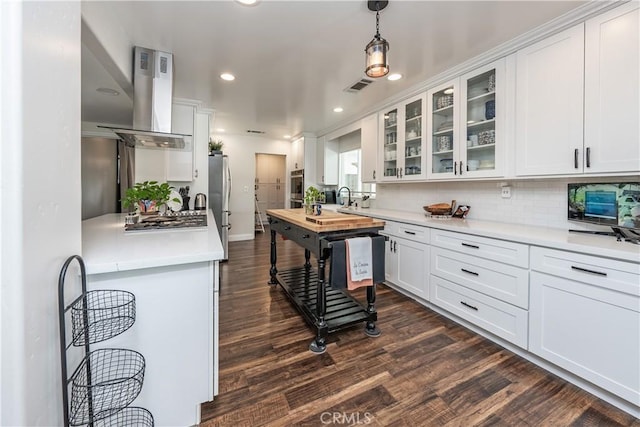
column 349, row 174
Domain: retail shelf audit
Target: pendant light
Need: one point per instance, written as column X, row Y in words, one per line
column 377, row 64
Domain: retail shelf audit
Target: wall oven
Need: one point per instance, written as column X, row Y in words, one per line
column 297, row 188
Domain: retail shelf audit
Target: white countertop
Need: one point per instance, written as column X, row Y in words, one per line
column 107, row 248
column 555, row 238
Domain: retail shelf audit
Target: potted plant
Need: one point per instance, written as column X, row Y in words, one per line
column 148, row 196
column 311, row 197
column 215, row 146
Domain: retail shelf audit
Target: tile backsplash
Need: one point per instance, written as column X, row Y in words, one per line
column 539, row 202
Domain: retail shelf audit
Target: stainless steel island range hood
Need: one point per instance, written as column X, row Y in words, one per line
column 152, row 97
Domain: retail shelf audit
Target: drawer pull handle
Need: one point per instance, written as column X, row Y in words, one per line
column 470, row 246
column 469, row 272
column 410, row 232
column 469, row 305
column 585, row 270
column 287, row 228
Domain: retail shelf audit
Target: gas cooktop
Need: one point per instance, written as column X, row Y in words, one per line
column 171, row 220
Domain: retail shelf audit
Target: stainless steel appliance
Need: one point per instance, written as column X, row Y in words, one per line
column 200, row 203
column 219, row 194
column 169, row 220
column 297, row 188
column 107, row 167
column 152, row 98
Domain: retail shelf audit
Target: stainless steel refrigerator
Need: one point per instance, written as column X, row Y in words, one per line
column 218, row 197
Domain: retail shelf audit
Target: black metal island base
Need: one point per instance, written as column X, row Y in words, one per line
column 322, row 303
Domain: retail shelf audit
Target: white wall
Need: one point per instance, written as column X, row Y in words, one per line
column 40, row 219
column 539, row 202
column 241, row 150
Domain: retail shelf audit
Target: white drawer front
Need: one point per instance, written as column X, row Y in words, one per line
column 498, row 250
column 603, row 272
column 412, row 232
column 390, row 228
column 588, row 330
column 499, row 318
column 504, row 282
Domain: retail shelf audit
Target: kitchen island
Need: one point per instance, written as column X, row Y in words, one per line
column 174, row 276
column 326, row 306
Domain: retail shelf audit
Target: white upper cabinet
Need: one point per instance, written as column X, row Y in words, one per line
column 465, row 137
column 297, row 154
column 369, row 147
column 327, row 161
column 549, row 105
column 402, row 141
column 577, row 99
column 612, row 87
column 443, row 129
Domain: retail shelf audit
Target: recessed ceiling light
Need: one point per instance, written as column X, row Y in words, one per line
column 227, row 76
column 338, row 110
column 107, row 91
column 448, row 91
column 219, row 130
column 286, row 136
column 394, row 77
column 248, row 2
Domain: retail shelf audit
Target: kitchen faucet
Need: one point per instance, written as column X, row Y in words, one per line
column 349, row 201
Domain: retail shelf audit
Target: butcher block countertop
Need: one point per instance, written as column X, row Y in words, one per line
column 326, row 222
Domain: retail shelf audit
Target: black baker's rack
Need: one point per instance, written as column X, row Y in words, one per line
column 106, row 381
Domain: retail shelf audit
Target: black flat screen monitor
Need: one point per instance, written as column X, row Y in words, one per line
column 613, row 204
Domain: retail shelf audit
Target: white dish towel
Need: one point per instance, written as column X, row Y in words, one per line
column 360, row 258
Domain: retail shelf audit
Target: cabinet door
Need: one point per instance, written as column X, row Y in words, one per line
column 391, row 261
column 549, row 105
column 369, row 147
column 179, row 163
column 327, row 161
column 482, row 122
column 413, row 139
column 412, row 267
column 443, row 130
column 297, row 154
column 612, row 88
column 591, row 331
column 390, row 150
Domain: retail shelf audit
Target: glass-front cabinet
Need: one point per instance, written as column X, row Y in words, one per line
column 403, row 141
column 466, row 125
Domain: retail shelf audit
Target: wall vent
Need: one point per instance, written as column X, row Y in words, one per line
column 255, row 131
column 358, row 85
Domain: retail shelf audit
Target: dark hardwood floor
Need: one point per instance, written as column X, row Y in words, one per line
column 424, row 370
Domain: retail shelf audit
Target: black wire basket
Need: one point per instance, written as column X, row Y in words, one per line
column 106, row 381
column 100, row 315
column 131, row 416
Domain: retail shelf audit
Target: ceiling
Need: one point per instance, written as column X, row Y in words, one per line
column 293, row 59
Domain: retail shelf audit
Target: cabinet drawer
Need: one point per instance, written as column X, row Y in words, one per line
column 498, row 250
column 413, row 232
column 390, row 228
column 603, row 272
column 499, row 318
column 504, row 282
column 301, row 236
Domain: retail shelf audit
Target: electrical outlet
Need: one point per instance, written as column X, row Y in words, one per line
column 506, row 192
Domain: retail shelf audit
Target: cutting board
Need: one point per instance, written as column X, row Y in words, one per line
column 329, row 218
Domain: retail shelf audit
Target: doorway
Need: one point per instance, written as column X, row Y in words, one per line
column 270, row 184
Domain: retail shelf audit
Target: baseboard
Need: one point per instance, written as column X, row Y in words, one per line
column 239, row 237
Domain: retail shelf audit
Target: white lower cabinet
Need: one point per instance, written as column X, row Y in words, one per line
column 407, row 261
column 504, row 282
column 585, row 318
column 501, row 319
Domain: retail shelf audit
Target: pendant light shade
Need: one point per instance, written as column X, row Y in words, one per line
column 377, row 63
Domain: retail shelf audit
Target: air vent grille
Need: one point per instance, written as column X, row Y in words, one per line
column 358, row 85
column 255, row 131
